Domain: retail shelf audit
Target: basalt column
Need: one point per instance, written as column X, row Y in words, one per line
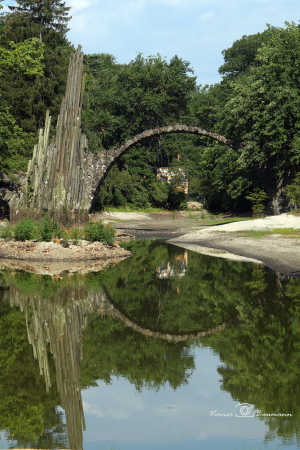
column 58, row 174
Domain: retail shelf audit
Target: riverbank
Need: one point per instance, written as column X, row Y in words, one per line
column 49, row 258
column 249, row 240
column 270, row 240
column 159, row 225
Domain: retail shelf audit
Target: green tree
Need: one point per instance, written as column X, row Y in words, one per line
column 47, row 14
column 123, row 100
column 256, row 106
column 22, row 60
column 15, row 145
column 242, row 54
column 293, row 191
column 42, row 93
column 263, row 114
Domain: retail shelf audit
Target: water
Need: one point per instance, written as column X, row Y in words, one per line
column 167, row 350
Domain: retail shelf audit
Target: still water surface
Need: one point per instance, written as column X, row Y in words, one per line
column 167, row 350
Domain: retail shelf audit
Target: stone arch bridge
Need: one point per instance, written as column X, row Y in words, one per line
column 63, row 178
column 98, row 165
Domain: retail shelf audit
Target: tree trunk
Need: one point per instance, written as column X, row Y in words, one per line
column 276, row 206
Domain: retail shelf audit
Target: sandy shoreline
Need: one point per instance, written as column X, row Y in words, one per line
column 49, row 258
column 279, row 252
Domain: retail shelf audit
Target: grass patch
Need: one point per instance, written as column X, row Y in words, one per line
column 133, row 209
column 224, row 220
column 257, row 234
column 96, row 231
column 46, row 230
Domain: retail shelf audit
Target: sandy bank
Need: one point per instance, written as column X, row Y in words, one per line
column 59, row 267
column 53, row 258
column 281, row 253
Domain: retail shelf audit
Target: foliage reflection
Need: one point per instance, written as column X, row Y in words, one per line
column 134, row 322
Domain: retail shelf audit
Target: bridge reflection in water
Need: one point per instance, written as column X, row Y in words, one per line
column 59, row 323
column 136, row 321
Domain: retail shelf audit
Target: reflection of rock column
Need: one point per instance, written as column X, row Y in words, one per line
column 61, row 324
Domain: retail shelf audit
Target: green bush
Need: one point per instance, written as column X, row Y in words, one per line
column 26, row 230
column 176, row 198
column 48, row 228
column 76, row 235
column 7, row 232
column 96, row 231
column 293, row 191
column 258, row 199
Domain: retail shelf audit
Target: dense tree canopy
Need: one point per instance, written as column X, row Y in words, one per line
column 33, row 74
column 255, row 105
column 123, row 100
column 50, row 14
column 21, row 60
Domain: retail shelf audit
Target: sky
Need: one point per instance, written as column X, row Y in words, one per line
column 195, row 30
column 198, row 415
column 189, row 417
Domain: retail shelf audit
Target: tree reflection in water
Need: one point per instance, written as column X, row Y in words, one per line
column 127, row 321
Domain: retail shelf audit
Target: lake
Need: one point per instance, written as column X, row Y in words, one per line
column 167, row 350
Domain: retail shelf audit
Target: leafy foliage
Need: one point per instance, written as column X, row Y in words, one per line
column 48, row 228
column 50, row 14
column 259, row 347
column 96, row 231
column 37, row 68
column 293, row 191
column 23, row 59
column 258, row 199
column 26, row 230
column 123, row 100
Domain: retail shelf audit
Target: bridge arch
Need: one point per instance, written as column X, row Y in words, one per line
column 177, row 128
column 108, row 158
column 107, row 308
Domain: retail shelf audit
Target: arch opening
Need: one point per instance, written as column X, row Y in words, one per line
column 109, row 157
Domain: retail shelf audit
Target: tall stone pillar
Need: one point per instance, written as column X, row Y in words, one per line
column 58, row 173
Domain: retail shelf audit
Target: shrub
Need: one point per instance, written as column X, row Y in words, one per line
column 258, row 199
column 26, row 230
column 48, row 228
column 176, row 198
column 293, row 191
column 7, row 232
column 76, row 235
column 96, row 231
